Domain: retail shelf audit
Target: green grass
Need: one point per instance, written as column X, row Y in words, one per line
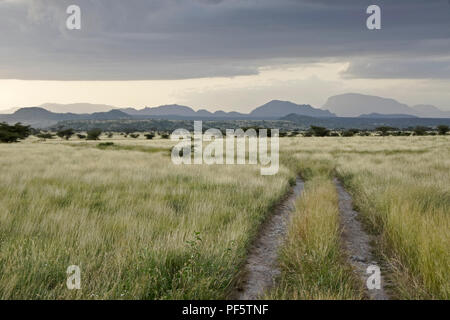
column 142, row 228
column 312, row 264
column 131, row 220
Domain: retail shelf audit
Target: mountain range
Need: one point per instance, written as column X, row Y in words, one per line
column 355, row 105
column 346, row 105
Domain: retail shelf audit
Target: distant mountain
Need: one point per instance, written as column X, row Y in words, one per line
column 354, row 105
column 110, row 115
column 430, row 111
column 175, row 111
column 277, row 109
column 39, row 117
column 387, row 116
column 166, row 110
column 77, row 108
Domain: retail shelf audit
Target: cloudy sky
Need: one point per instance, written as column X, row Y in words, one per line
column 222, row 54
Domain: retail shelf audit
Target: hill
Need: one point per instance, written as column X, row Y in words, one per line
column 354, row 105
column 277, row 109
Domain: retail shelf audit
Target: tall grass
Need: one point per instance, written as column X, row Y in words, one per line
column 311, row 260
column 138, row 226
column 401, row 187
column 142, row 228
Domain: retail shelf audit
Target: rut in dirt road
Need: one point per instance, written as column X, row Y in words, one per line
column 261, row 268
column 357, row 243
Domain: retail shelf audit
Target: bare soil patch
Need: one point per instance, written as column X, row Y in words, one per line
column 261, row 268
column 357, row 243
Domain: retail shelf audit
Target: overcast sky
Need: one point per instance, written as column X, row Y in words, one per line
column 222, row 54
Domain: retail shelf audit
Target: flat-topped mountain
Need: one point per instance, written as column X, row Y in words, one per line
column 355, row 105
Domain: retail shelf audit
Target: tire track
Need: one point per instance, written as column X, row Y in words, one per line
column 357, row 243
column 261, row 268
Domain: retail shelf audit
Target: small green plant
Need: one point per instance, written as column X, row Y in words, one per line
column 149, row 136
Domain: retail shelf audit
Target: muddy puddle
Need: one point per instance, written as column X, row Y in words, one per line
column 261, row 268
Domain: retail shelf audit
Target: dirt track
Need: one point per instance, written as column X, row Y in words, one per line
column 357, row 243
column 261, row 269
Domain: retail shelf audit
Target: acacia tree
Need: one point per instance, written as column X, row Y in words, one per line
column 420, row 131
column 319, row 131
column 94, row 134
column 13, row 133
column 443, row 129
column 65, row 134
column 385, row 130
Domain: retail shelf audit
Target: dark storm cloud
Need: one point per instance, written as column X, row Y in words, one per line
column 175, row 39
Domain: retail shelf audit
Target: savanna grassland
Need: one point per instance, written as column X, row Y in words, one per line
column 142, row 228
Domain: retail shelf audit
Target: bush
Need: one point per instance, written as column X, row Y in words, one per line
column 443, row 129
column 319, row 131
column 149, row 136
column 420, row 131
column 45, row 135
column 9, row 134
column 384, row 130
column 134, row 135
column 65, row 134
column 165, row 136
column 105, row 145
column 81, row 136
column 94, row 134
column 350, row 132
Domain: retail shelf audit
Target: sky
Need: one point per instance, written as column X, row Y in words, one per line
column 222, row 54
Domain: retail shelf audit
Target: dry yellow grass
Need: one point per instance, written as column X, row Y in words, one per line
column 129, row 217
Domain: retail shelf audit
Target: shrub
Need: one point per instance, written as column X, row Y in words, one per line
column 134, row 135
column 105, row 145
column 385, row 130
column 13, row 133
column 94, row 134
column 65, row 134
column 420, row 131
column 165, row 136
column 443, row 129
column 149, row 136
column 45, row 135
column 81, row 136
column 319, row 131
